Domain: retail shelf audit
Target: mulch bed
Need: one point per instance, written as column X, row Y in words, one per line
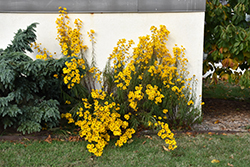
column 225, row 115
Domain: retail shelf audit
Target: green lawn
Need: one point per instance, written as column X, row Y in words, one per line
column 199, row 150
column 192, row 151
column 224, row 90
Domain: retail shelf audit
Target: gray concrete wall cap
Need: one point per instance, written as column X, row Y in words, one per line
column 102, row 6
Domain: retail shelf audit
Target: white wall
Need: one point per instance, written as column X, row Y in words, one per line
column 185, row 29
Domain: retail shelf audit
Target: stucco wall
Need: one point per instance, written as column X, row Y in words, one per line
column 185, row 29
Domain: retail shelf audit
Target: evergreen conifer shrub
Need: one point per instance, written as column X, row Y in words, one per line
column 29, row 92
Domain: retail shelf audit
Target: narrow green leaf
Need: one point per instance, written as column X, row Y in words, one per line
column 236, row 44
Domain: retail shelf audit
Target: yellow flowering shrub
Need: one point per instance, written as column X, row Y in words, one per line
column 98, row 118
column 71, row 42
column 72, row 73
column 151, row 90
column 145, row 86
column 75, row 63
column 154, row 81
column 44, row 54
column 70, row 39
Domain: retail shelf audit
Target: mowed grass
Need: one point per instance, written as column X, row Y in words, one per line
column 224, row 90
column 197, row 150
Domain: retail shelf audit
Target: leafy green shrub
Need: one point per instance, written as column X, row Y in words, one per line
column 226, row 38
column 245, row 79
column 29, row 91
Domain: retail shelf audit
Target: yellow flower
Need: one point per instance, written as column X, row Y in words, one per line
column 67, row 102
column 126, row 116
column 165, row 111
column 149, row 123
column 55, row 75
column 68, row 115
column 63, row 115
column 65, row 52
column 71, row 120
column 190, row 102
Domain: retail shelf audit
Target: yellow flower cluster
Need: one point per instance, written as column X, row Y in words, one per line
column 149, row 48
column 67, row 102
column 91, row 35
column 126, row 116
column 190, row 102
column 136, row 95
column 44, row 53
column 72, row 72
column 123, row 77
column 154, row 46
column 165, row 111
column 69, row 39
column 98, row 76
column 69, row 117
column 124, row 138
column 104, row 118
column 147, row 81
column 164, row 132
column 154, row 94
column 98, row 94
column 151, row 59
column 167, row 135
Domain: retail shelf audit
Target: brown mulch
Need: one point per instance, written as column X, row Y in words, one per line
column 219, row 115
column 12, row 134
column 225, row 115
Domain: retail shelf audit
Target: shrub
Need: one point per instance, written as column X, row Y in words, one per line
column 148, row 89
column 153, row 80
column 245, row 80
column 77, row 74
column 29, row 92
column 226, row 38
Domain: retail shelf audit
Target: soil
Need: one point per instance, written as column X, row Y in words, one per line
column 219, row 115
column 225, row 115
column 13, row 134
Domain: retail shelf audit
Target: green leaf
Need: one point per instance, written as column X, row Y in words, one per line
column 240, row 56
column 224, row 36
column 236, row 44
column 241, row 47
column 234, row 18
column 242, row 36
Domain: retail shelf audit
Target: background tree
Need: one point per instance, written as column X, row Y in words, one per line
column 227, row 38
